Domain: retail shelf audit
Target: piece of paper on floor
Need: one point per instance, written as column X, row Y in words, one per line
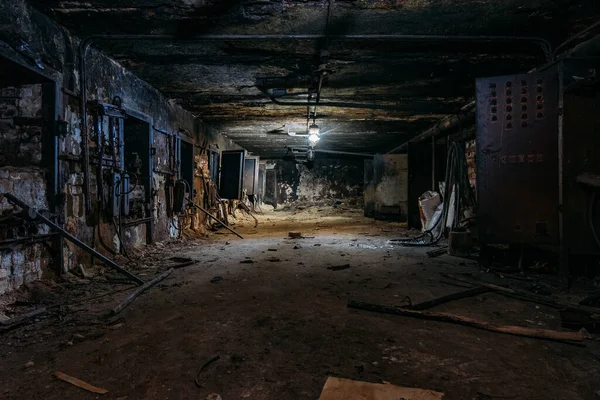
column 346, row 389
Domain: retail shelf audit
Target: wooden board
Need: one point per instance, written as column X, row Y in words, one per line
column 79, row 383
column 345, row 389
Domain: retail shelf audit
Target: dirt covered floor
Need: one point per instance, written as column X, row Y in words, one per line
column 279, row 322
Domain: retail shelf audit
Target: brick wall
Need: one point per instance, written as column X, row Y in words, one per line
column 21, row 175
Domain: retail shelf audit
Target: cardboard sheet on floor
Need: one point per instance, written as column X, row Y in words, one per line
column 346, row 389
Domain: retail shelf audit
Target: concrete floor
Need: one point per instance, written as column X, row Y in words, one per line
column 281, row 326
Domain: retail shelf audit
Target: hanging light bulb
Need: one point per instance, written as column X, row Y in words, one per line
column 313, row 134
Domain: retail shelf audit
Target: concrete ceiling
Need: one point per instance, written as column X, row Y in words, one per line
column 397, row 88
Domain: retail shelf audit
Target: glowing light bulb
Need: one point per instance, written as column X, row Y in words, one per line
column 313, row 139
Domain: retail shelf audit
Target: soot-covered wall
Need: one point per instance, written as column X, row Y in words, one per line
column 327, row 180
column 40, row 48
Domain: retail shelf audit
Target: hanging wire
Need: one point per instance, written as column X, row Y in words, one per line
column 456, row 177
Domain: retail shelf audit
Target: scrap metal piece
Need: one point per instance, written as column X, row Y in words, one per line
column 71, row 238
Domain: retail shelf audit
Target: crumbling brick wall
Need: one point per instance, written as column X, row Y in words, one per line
column 20, row 174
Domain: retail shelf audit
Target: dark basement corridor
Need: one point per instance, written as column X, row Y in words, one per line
column 299, row 199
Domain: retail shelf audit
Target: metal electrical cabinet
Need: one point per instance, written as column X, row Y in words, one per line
column 517, row 158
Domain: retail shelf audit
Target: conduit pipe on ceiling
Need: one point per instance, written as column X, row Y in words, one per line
column 467, row 113
column 544, row 45
column 333, row 104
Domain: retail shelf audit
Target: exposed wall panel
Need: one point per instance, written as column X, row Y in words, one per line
column 390, row 176
column 328, row 179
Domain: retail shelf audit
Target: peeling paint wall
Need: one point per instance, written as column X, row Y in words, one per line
column 43, row 43
column 326, row 181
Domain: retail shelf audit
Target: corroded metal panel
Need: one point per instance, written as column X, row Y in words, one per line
column 517, row 158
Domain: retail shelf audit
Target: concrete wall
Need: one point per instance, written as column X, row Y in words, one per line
column 386, row 193
column 327, row 180
column 44, row 48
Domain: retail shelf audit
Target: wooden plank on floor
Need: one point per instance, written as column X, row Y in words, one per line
column 346, row 389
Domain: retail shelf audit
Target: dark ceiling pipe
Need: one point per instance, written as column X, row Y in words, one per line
column 465, row 116
column 346, row 153
column 545, row 46
column 575, row 37
column 303, row 151
column 335, row 104
column 467, row 113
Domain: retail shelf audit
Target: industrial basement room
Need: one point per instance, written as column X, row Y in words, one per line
column 300, row 199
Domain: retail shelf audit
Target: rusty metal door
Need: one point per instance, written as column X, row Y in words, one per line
column 517, row 158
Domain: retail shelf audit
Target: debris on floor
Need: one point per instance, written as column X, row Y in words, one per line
column 346, row 389
column 79, row 383
column 129, row 299
column 202, row 369
column 339, row 267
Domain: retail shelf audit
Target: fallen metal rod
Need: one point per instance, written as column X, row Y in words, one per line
column 545, row 334
column 34, row 214
column 521, row 295
column 215, row 218
column 139, row 291
column 22, row 318
column 450, row 297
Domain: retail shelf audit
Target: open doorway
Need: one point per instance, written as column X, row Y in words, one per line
column 187, row 166
column 137, row 156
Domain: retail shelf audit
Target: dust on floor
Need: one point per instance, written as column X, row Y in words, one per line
column 281, row 327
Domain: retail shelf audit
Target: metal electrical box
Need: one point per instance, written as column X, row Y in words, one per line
column 517, row 158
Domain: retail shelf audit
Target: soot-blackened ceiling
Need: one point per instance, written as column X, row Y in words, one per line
column 397, row 88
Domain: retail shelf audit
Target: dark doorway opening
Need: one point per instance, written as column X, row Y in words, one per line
column 138, row 179
column 187, row 166
column 232, row 168
column 270, row 196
